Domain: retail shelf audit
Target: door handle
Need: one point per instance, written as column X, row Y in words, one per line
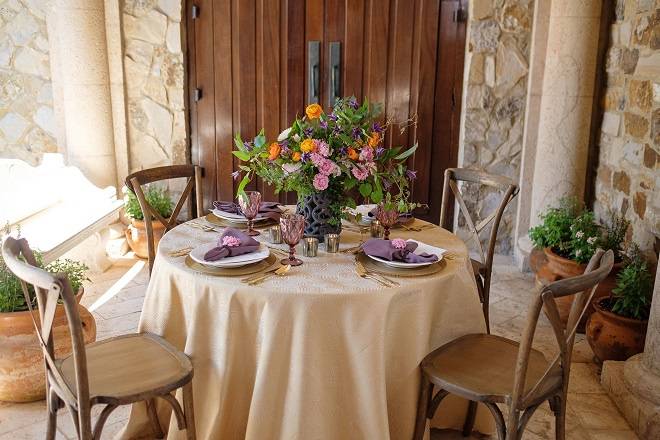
column 334, row 73
column 313, row 71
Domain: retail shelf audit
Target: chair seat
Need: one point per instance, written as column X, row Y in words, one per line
column 482, row 367
column 130, row 367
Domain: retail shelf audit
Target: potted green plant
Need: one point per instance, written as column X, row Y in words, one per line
column 136, row 234
column 617, row 328
column 21, row 361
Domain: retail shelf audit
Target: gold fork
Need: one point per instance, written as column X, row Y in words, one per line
column 180, row 252
column 203, row 227
column 364, row 273
column 280, row 271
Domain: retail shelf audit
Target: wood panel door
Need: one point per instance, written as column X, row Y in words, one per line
column 248, row 69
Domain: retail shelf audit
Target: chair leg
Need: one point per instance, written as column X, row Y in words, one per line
column 189, row 410
column 471, row 415
column 560, row 417
column 153, row 418
column 422, row 407
column 52, row 405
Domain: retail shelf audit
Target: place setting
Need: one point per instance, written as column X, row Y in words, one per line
column 249, row 210
column 401, row 258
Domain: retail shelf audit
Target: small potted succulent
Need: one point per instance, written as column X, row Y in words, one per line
column 21, row 360
column 136, row 234
column 617, row 328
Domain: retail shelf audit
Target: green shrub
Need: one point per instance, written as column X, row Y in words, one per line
column 614, row 235
column 156, row 197
column 634, row 287
column 585, row 237
column 555, row 228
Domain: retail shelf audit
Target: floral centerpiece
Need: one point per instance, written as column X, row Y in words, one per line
column 328, row 159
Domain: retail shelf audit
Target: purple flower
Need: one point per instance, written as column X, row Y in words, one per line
column 248, row 145
column 306, row 157
column 332, row 117
column 367, row 154
column 308, row 131
column 236, row 174
column 323, row 124
column 285, row 148
column 386, row 184
column 360, row 173
column 343, row 151
column 353, row 102
column 356, row 133
column 379, row 151
column 377, row 127
column 411, row 174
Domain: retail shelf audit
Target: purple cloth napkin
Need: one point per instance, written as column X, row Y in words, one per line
column 242, row 244
column 266, row 209
column 403, row 218
column 385, row 249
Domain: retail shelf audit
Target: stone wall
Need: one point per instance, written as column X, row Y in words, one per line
column 27, row 125
column 154, row 77
column 628, row 178
column 496, row 87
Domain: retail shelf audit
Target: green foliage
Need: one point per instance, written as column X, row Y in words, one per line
column 555, row 229
column 156, row 197
column 585, row 236
column 11, row 292
column 614, row 235
column 634, row 287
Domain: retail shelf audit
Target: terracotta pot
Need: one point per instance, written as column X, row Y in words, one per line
column 558, row 268
column 613, row 337
column 136, row 235
column 22, row 376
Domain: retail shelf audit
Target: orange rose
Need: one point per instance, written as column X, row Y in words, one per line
column 296, row 156
column 313, row 111
column 352, row 154
column 274, row 151
column 307, row 146
column 374, row 139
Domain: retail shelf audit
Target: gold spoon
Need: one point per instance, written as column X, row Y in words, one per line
column 364, row 273
column 281, row 271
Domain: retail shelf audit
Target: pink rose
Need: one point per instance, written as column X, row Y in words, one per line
column 316, row 159
column 360, row 173
column 399, row 243
column 322, row 147
column 320, row 182
column 367, row 154
column 327, row 167
column 230, row 241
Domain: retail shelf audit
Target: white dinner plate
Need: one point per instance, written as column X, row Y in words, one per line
column 236, row 218
column 198, row 253
column 421, row 248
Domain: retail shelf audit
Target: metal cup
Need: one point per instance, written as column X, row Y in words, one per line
column 377, row 230
column 310, row 246
column 275, row 234
column 332, row 243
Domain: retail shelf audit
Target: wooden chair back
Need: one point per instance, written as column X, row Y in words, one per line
column 583, row 288
column 49, row 290
column 135, row 181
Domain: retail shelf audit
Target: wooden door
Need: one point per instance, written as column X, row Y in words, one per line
column 248, row 69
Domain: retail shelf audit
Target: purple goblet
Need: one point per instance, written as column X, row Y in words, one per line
column 292, row 226
column 250, row 203
column 387, row 219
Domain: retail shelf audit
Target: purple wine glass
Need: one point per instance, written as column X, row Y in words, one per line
column 293, row 227
column 250, row 204
column 387, row 219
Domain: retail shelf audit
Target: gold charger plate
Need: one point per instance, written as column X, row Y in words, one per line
column 214, row 219
column 232, row 271
column 382, row 268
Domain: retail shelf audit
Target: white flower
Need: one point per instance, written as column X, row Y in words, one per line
column 578, row 252
column 579, row 234
column 284, row 135
column 290, row 168
column 591, row 240
column 296, row 138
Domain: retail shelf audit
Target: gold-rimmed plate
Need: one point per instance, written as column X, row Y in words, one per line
column 381, row 268
column 214, row 219
column 232, row 271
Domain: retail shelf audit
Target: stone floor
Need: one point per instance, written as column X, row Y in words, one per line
column 115, row 298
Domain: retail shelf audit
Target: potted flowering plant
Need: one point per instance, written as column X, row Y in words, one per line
column 136, row 233
column 617, row 328
column 327, row 158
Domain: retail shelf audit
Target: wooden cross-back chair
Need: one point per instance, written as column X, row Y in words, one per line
column 482, row 269
column 116, row 371
column 492, row 369
column 135, row 181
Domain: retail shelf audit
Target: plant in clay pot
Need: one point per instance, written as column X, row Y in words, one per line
column 21, row 361
column 617, row 328
column 136, row 234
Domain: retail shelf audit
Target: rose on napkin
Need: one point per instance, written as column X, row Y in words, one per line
column 396, row 250
column 266, row 209
column 231, row 243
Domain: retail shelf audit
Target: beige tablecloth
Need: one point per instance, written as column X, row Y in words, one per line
column 318, row 354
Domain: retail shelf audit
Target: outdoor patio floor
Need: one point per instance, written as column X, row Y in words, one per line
column 115, row 297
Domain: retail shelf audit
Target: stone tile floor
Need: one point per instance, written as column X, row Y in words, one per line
column 115, row 298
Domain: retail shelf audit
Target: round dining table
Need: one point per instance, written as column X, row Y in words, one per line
column 318, row 353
